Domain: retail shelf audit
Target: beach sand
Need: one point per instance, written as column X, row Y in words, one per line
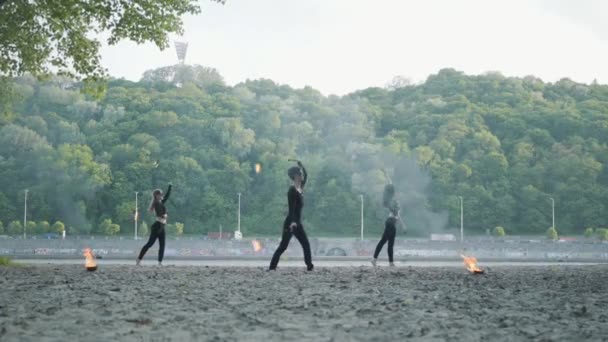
column 198, row 303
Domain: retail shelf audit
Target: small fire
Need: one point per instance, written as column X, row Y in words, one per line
column 257, row 245
column 471, row 264
column 258, row 168
column 90, row 263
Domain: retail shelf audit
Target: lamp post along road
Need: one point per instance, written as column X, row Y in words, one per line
column 25, row 214
column 552, row 212
column 136, row 216
column 237, row 233
column 461, row 220
column 362, row 217
column 239, row 215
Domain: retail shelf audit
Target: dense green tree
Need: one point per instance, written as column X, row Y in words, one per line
column 38, row 36
column 143, row 230
column 43, row 227
column 506, row 145
column 31, row 228
column 108, row 228
column 58, row 227
column 15, row 228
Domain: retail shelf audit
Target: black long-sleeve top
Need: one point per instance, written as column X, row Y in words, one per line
column 159, row 206
column 296, row 200
column 393, row 208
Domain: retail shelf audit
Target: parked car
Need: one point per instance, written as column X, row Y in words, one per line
column 51, row 236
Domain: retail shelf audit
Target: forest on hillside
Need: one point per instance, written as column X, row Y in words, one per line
column 506, row 145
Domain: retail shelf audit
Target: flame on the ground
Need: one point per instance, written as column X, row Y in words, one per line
column 257, row 245
column 90, row 263
column 258, row 168
column 471, row 264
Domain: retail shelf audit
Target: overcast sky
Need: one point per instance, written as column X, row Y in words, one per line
column 338, row 46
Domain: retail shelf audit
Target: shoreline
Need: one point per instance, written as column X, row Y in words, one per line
column 298, row 262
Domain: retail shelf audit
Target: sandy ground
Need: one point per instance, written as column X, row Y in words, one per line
column 199, row 303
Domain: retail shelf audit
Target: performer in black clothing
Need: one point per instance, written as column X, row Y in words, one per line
column 390, row 225
column 157, row 230
column 293, row 221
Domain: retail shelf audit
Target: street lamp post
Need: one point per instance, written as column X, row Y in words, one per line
column 136, row 216
column 25, row 214
column 552, row 212
column 361, row 196
column 461, row 220
column 239, row 215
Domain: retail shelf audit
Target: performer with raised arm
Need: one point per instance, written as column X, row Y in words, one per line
column 157, row 231
column 293, row 222
column 390, row 225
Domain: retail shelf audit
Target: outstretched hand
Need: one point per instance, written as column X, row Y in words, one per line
column 403, row 226
column 386, row 176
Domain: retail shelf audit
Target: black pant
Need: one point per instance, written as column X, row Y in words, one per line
column 156, row 232
column 287, row 234
column 390, row 230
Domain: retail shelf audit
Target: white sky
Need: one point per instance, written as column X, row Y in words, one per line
column 338, row 46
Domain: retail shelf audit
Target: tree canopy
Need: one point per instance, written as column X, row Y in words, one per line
column 506, row 145
column 62, row 37
column 41, row 36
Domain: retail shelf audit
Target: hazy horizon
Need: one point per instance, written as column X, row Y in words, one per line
column 342, row 46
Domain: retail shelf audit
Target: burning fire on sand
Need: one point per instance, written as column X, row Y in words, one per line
column 90, row 263
column 471, row 264
column 257, row 245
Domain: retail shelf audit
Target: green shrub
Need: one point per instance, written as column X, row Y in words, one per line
column 43, row 227
column 589, row 232
column 58, row 227
column 175, row 229
column 602, row 234
column 1, row 228
column 5, row 261
column 142, row 229
column 15, row 228
column 499, row 231
column 552, row 234
column 108, row 228
column 31, row 227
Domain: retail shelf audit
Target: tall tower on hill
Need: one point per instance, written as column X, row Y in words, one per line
column 181, row 48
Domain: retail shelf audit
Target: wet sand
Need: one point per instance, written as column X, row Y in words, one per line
column 201, row 303
column 289, row 262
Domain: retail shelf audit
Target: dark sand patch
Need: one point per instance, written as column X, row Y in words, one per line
column 128, row 303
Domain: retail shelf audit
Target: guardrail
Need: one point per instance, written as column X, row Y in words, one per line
column 488, row 249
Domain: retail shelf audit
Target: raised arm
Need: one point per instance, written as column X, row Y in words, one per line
column 388, row 178
column 167, row 194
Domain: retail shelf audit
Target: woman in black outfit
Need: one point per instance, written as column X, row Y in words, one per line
column 293, row 221
column 390, row 225
column 158, row 228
